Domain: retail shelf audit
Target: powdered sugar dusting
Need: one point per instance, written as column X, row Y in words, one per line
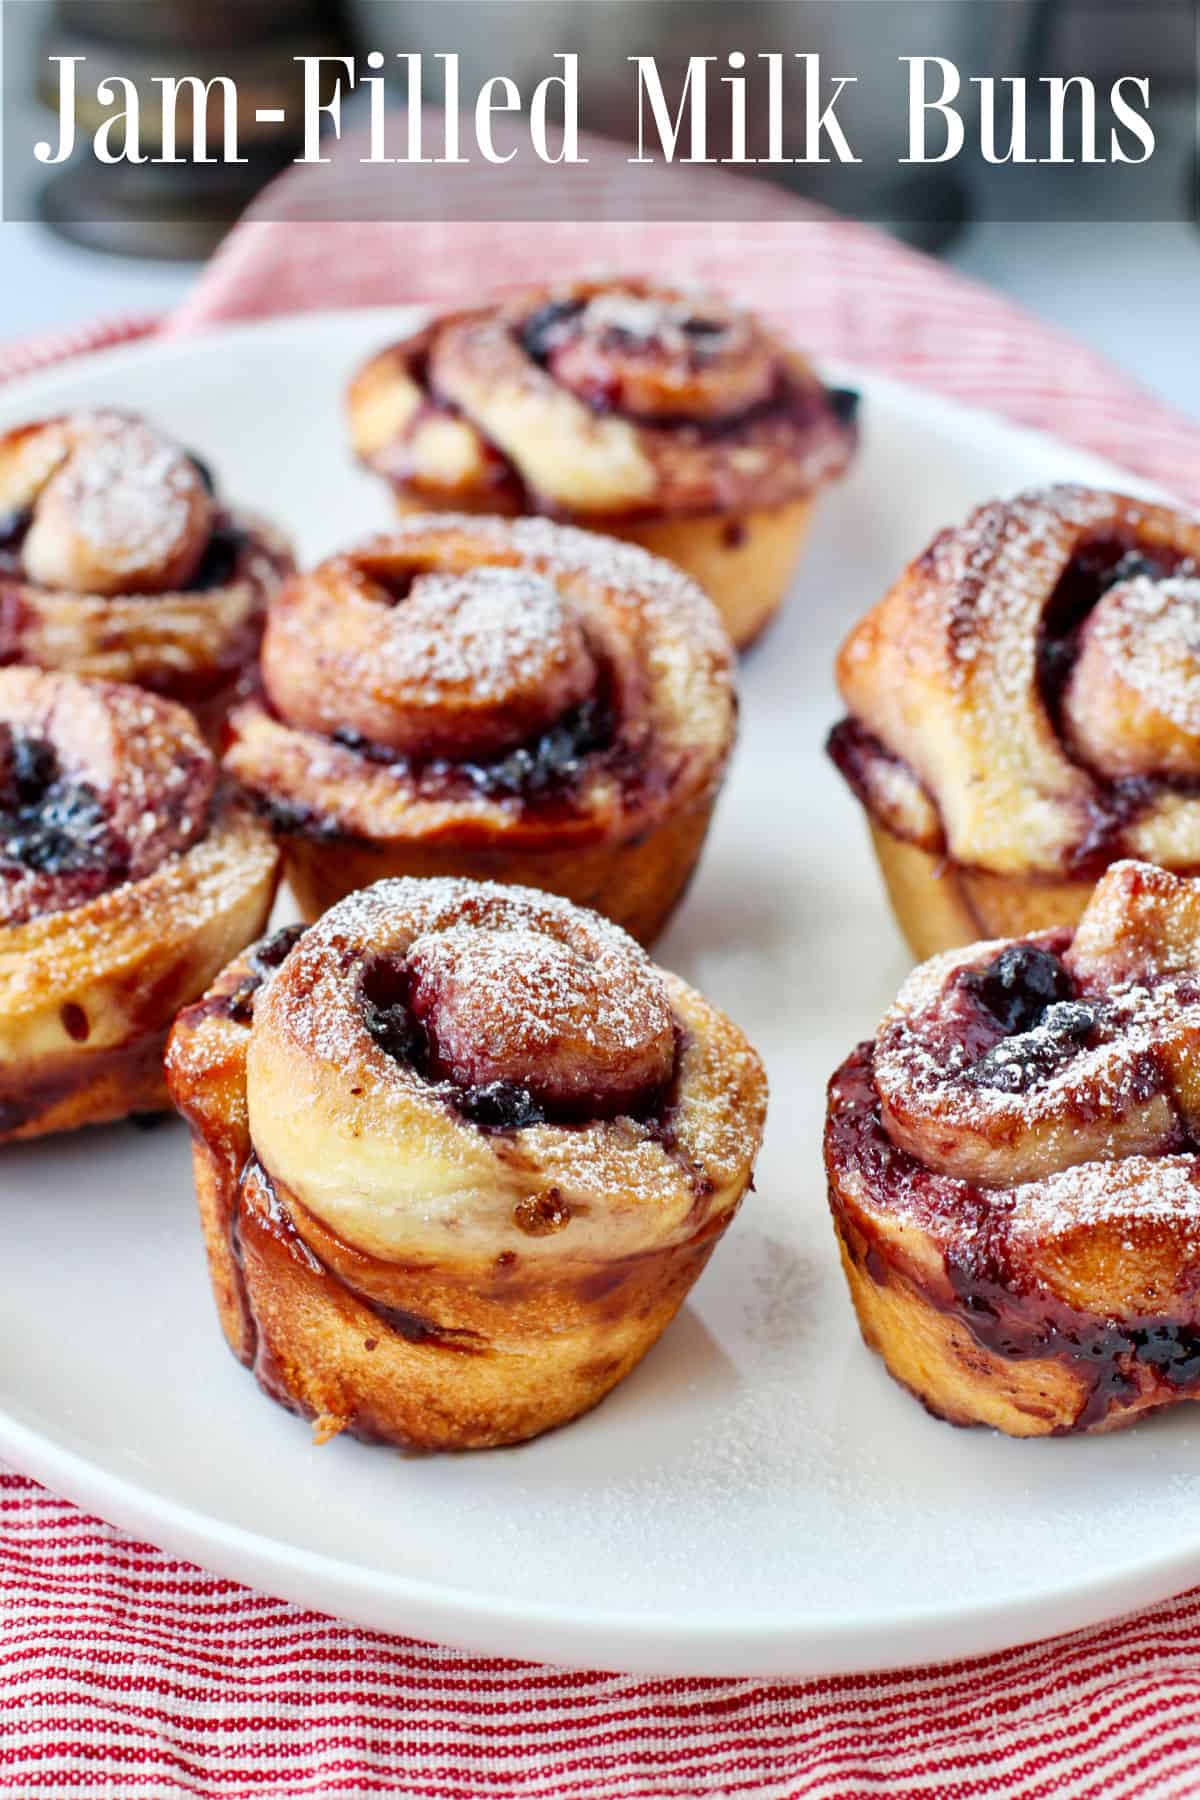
column 565, row 549
column 1102, row 1096
column 388, row 918
column 491, row 629
column 993, row 573
column 1150, row 631
column 131, row 494
column 125, row 510
column 662, row 319
column 542, row 618
column 526, row 981
column 927, row 1069
column 1151, row 1190
column 403, row 1165
column 569, row 1020
column 597, row 395
column 985, row 745
column 140, row 758
column 679, row 623
column 460, row 663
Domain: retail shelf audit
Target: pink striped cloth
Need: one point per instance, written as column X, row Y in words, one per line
column 129, row 1674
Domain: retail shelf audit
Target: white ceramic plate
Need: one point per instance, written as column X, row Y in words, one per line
column 758, row 1497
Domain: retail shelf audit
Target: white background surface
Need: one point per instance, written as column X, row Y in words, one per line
column 758, row 1497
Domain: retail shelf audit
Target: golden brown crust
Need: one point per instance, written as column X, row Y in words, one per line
column 1129, row 705
column 460, row 659
column 1012, row 1169
column 126, row 882
column 939, row 905
column 403, row 1248
column 116, row 561
column 565, row 706
column 639, row 882
column 744, row 561
column 624, row 412
column 1019, row 702
column 667, row 418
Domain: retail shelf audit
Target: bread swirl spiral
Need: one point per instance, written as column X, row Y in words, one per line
column 1021, row 712
column 1013, row 1170
column 666, row 417
column 127, row 879
column 494, row 699
column 460, row 1158
column 118, row 561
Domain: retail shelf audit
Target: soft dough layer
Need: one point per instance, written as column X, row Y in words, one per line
column 1021, row 713
column 503, row 1172
column 127, row 879
column 118, row 561
column 510, row 700
column 1012, row 1169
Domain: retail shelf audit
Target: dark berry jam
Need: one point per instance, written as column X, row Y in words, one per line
column 1172, row 1349
column 386, row 1013
column 544, row 330
column 220, row 560
column 1096, row 567
column 1014, row 1324
column 1018, row 1063
column 272, row 951
column 47, row 822
column 844, row 404
column 239, row 1006
column 550, row 763
column 1073, row 1021
column 13, row 526
column 349, row 739
column 542, row 770
column 501, row 1106
column 265, row 958
column 1006, row 1313
column 704, row 339
column 705, row 335
column 32, row 769
column 388, row 1017
column 1019, row 986
column 203, row 471
column 292, row 820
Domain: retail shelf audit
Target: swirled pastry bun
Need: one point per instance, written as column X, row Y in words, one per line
column 495, row 699
column 128, row 878
column 1013, row 1170
column 1023, row 711
column 118, row 560
column 461, row 1151
column 665, row 417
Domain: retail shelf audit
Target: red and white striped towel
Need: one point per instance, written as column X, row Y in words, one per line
column 128, row 1674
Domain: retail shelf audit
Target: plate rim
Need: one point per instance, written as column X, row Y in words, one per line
column 652, row 1643
column 924, row 403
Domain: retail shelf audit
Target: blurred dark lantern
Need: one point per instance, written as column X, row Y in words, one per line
column 182, row 209
column 861, row 37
